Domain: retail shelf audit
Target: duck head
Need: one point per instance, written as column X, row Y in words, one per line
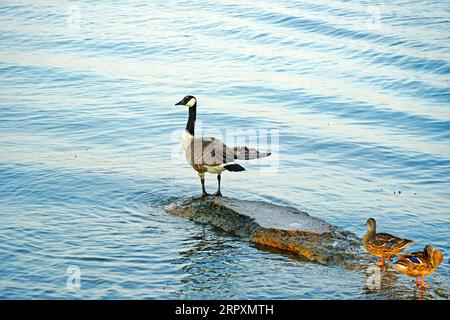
column 371, row 224
column 434, row 254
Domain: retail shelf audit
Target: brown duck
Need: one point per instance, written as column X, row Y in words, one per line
column 419, row 264
column 383, row 245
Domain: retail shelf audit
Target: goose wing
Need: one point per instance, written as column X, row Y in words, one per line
column 209, row 151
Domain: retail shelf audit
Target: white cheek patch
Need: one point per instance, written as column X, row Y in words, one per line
column 191, row 102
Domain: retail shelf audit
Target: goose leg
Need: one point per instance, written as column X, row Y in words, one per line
column 218, row 193
column 202, row 181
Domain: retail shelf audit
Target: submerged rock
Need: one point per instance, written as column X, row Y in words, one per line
column 275, row 226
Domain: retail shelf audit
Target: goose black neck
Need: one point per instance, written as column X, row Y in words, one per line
column 190, row 126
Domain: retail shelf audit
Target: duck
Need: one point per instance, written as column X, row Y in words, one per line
column 383, row 245
column 210, row 155
column 419, row 264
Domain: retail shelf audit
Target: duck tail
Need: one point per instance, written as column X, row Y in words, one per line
column 406, row 244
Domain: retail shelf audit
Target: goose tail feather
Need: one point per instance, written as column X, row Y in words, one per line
column 246, row 153
column 234, row 167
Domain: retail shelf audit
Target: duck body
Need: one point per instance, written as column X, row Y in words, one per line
column 383, row 245
column 419, row 264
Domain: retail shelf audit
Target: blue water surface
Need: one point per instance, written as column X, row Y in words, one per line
column 356, row 91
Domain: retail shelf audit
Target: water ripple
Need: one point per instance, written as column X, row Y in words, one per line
column 88, row 128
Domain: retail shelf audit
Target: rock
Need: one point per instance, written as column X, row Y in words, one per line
column 275, row 226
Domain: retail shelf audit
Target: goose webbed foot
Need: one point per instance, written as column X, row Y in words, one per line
column 204, row 195
column 217, row 194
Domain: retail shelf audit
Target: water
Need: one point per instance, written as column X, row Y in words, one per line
column 359, row 92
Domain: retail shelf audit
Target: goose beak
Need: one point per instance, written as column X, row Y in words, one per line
column 180, row 103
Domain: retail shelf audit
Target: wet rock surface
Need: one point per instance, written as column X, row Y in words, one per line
column 275, row 226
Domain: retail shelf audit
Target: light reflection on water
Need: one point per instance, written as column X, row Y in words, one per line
column 87, row 120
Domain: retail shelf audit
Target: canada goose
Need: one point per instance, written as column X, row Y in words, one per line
column 383, row 244
column 208, row 154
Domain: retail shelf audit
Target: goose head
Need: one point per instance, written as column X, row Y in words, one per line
column 188, row 101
